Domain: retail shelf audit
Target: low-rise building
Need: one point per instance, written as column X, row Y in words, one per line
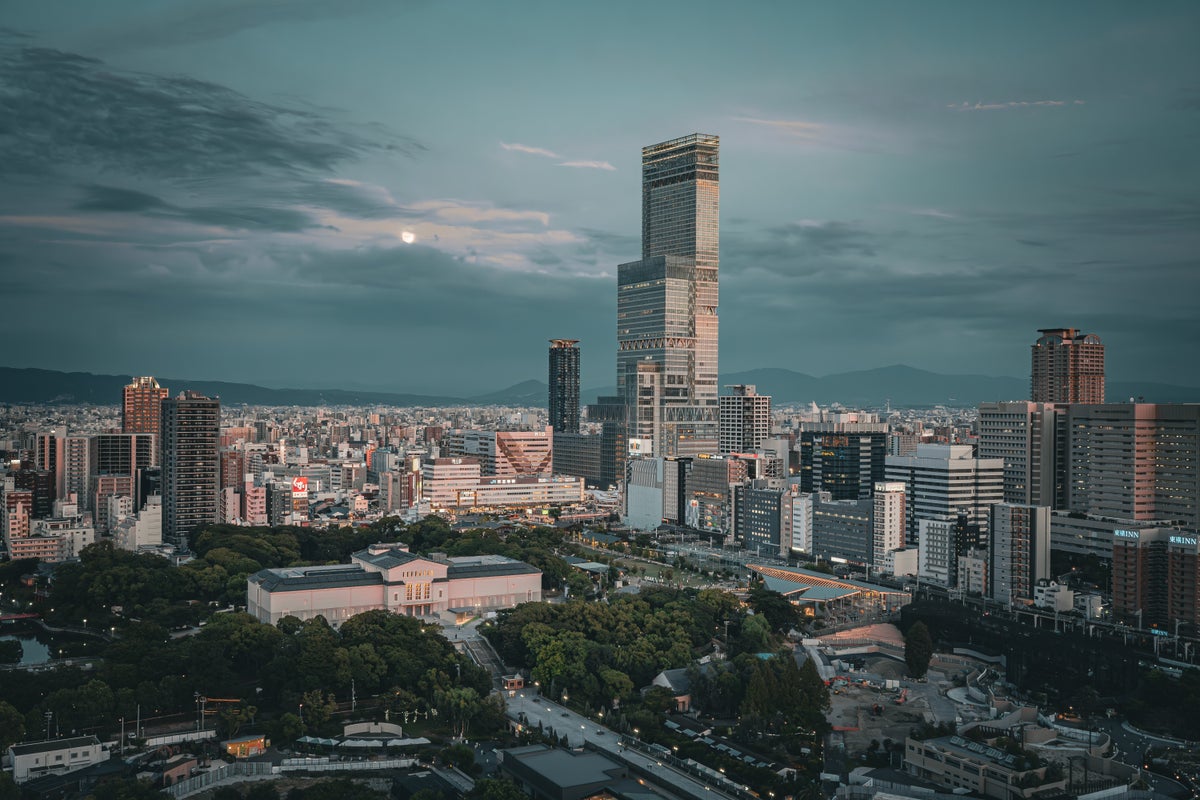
column 32, row 760
column 955, row 762
column 388, row 577
column 1053, row 595
column 552, row 774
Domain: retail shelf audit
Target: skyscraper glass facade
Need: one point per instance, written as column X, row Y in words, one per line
column 564, row 385
column 667, row 332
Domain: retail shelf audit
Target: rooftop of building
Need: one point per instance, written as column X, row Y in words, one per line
column 386, row 559
column 809, row 586
column 489, row 565
column 53, row 745
column 974, row 750
column 298, row 579
column 565, row 768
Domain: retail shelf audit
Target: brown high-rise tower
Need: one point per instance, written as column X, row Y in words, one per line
column 1068, row 367
column 140, row 406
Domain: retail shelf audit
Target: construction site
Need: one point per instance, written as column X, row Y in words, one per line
column 873, row 699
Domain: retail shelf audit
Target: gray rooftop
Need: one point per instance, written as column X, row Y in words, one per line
column 52, row 745
column 387, row 559
column 299, row 579
column 564, row 768
column 484, row 566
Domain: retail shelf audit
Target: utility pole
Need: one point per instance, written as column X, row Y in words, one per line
column 353, row 696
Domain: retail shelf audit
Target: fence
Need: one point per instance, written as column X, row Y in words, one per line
column 251, row 770
column 240, row 769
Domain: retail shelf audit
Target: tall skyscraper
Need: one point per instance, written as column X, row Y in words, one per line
column 745, row 420
column 1068, row 367
column 191, row 464
column 564, row 385
column 140, row 406
column 667, row 302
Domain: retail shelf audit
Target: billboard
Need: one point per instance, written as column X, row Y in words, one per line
column 641, row 447
column 300, row 486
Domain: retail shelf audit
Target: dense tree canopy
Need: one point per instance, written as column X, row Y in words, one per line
column 601, row 652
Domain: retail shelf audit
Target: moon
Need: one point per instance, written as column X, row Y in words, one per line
column 408, row 237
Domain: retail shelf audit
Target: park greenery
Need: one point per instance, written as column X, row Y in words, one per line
column 602, row 659
column 297, row 677
column 125, row 609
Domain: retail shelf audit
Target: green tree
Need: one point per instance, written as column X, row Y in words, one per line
column 460, row 755
column 755, row 635
column 8, row 787
column 496, row 789
column 128, row 789
column 318, row 708
column 336, row 789
column 288, row 728
column 778, row 610
column 12, row 726
column 231, row 720
column 460, row 705
column 11, row 652
column 918, row 650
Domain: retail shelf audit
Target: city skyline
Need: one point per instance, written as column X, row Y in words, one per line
column 257, row 191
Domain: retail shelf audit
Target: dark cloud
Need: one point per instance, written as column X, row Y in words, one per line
column 415, row 314
column 826, row 238
column 1154, row 220
column 188, row 23
column 232, row 217
column 75, row 110
column 111, row 198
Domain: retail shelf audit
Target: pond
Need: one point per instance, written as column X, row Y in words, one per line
column 33, row 651
column 40, row 646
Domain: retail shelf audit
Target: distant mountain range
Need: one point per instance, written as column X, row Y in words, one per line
column 900, row 385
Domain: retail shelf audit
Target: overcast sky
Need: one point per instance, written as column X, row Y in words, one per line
column 416, row 196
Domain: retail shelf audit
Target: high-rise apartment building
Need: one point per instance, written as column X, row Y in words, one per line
column 140, row 406
column 944, row 480
column 1030, row 438
column 1134, row 461
column 888, row 520
column 745, row 421
column 564, row 385
column 68, row 458
column 191, row 466
column 123, row 453
column 1020, row 551
column 1068, row 367
column 667, row 302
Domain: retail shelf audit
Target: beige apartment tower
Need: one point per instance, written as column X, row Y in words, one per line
column 1068, row 367
column 140, row 406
